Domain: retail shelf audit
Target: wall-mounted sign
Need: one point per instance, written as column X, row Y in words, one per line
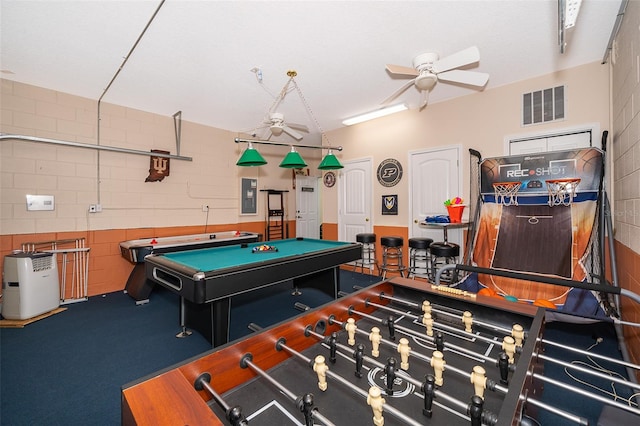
column 390, row 204
column 158, row 167
column 329, row 179
column 389, row 172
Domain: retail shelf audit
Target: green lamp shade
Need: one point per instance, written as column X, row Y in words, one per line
column 293, row 160
column 330, row 162
column 250, row 158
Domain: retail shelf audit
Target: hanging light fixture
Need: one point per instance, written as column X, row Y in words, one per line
column 293, row 160
column 251, row 158
column 330, row 162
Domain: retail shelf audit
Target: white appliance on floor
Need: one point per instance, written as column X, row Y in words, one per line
column 30, row 285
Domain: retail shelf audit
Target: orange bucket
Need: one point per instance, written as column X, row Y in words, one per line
column 455, row 212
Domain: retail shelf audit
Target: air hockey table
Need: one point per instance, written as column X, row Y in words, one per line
column 138, row 287
column 207, row 279
column 320, row 367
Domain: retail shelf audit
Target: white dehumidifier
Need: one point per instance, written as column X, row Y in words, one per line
column 30, row 285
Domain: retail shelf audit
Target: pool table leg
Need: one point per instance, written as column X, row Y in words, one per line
column 185, row 332
column 210, row 319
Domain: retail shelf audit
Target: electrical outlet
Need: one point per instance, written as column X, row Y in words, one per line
column 205, row 208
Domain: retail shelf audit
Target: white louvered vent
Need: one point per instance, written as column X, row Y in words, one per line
column 543, row 106
column 42, row 263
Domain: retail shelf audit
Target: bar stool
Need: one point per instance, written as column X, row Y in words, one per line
column 419, row 257
column 392, row 255
column 368, row 259
column 443, row 254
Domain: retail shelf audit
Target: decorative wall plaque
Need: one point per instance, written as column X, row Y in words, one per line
column 389, row 172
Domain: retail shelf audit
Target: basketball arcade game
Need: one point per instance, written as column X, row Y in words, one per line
column 538, row 237
column 540, row 215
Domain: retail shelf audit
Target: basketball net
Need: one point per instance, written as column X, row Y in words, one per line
column 562, row 191
column 506, row 193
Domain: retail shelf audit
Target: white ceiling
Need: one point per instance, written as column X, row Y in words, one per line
column 196, row 56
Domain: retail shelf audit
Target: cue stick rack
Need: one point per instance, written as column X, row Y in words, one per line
column 74, row 252
column 276, row 226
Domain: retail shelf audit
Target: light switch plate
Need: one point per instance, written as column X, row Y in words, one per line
column 40, row 202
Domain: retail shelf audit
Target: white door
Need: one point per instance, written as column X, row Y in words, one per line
column 434, row 178
column 354, row 199
column 307, row 216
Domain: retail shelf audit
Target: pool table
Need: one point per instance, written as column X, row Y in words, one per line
column 207, row 279
column 138, row 286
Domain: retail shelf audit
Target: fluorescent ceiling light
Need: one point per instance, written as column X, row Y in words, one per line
column 375, row 114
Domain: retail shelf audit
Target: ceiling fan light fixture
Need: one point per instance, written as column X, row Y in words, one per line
column 330, row 162
column 293, row 160
column 276, row 129
column 375, row 114
column 251, row 158
column 426, row 81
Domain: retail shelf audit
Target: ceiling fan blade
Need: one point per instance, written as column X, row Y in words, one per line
column 292, row 132
column 398, row 92
column 400, row 70
column 456, row 60
column 300, row 127
column 471, row 78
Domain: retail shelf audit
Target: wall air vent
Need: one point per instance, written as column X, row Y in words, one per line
column 543, row 106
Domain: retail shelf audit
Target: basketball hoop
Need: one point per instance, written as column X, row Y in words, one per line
column 506, row 193
column 562, row 191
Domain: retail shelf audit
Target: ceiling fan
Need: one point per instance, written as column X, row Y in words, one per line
column 277, row 126
column 428, row 69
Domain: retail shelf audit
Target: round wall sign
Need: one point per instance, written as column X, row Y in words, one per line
column 329, row 179
column 389, row 172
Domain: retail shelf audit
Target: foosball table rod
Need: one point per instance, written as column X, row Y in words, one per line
column 440, row 345
column 234, row 414
column 491, row 385
column 358, row 353
column 303, row 403
column 496, row 327
column 588, row 371
column 583, row 392
column 281, row 345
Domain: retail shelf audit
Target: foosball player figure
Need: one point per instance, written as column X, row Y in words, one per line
column 426, row 307
column 438, row 363
column 439, row 341
column 479, row 380
column 467, row 319
column 391, row 323
column 390, row 375
column 320, row 367
column 503, row 366
column 351, row 330
column 475, row 410
column 404, row 350
column 428, row 322
column 333, row 347
column 376, row 401
column 375, row 339
column 509, row 346
column 429, row 390
column 358, row 354
column 305, row 405
column 517, row 332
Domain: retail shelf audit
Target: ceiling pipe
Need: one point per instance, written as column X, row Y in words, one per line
column 91, row 146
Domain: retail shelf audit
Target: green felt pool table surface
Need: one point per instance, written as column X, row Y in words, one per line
column 214, row 258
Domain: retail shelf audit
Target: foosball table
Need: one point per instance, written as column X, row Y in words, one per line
column 400, row 352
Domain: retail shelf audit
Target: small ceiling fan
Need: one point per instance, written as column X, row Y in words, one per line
column 428, row 69
column 276, row 125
